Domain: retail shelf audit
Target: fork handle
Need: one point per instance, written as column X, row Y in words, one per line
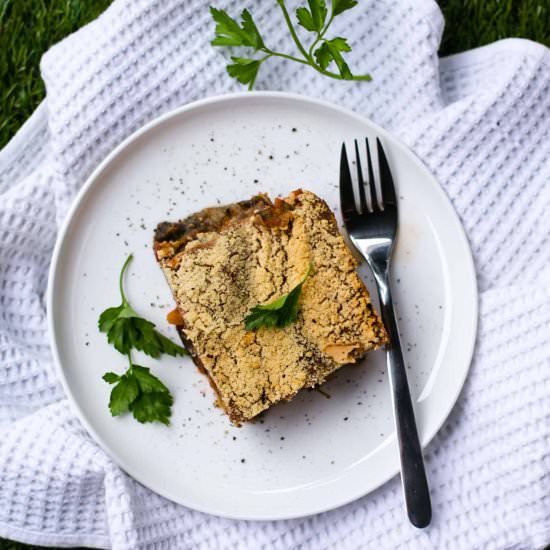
column 413, row 474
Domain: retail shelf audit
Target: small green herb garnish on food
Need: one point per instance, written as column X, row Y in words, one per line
column 126, row 330
column 137, row 390
column 319, row 54
column 280, row 313
column 141, row 393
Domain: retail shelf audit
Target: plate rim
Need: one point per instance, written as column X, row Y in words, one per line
column 87, row 186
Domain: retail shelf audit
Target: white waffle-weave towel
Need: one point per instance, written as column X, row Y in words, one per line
column 479, row 120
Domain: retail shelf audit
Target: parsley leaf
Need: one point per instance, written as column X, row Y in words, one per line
column 340, row 6
column 141, row 393
column 323, row 56
column 314, row 18
column 137, row 390
column 126, row 330
column 330, row 51
column 253, row 34
column 111, row 377
column 279, row 313
column 151, row 407
column 230, row 33
column 244, row 70
column 148, row 382
column 123, row 394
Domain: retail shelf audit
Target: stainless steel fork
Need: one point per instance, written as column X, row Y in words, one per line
column 372, row 228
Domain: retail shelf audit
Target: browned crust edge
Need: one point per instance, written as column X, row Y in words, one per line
column 234, row 414
column 177, row 234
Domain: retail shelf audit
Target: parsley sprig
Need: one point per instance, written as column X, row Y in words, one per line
column 126, row 330
column 315, row 18
column 279, row 313
column 137, row 390
column 140, row 392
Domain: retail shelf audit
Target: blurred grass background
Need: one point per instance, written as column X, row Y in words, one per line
column 29, row 27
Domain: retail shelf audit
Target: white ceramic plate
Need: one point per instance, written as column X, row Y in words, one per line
column 306, row 456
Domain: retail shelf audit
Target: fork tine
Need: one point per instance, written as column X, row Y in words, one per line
column 362, row 197
column 347, row 201
column 386, row 181
column 371, row 185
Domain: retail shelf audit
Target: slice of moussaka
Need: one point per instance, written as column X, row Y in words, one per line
column 221, row 262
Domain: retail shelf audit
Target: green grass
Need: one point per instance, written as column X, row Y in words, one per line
column 472, row 23
column 12, row 545
column 29, row 27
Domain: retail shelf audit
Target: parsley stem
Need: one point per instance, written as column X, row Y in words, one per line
column 366, row 77
column 269, row 54
column 320, row 36
column 313, row 65
column 326, row 26
column 121, row 277
column 245, row 70
column 292, row 31
column 285, row 56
